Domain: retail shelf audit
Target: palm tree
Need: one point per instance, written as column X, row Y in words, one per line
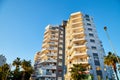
column 111, row 60
column 4, row 72
column 17, row 63
column 27, row 69
column 17, row 72
column 78, row 72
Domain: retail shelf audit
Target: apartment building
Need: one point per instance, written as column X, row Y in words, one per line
column 74, row 42
column 83, row 46
column 2, row 60
column 49, row 62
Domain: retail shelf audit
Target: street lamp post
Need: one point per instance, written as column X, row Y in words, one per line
column 105, row 28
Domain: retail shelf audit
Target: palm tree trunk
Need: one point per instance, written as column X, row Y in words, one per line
column 114, row 66
column 23, row 75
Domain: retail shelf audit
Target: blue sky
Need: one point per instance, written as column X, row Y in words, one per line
column 22, row 23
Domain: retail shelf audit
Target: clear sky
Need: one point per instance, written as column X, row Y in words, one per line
column 22, row 23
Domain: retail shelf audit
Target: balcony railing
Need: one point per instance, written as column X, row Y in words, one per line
column 48, row 61
column 78, row 39
column 49, row 67
column 47, row 75
column 53, row 38
column 79, row 45
column 77, row 33
column 52, row 54
column 81, row 62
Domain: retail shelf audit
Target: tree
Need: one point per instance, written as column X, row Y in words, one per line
column 27, row 69
column 17, row 64
column 17, row 73
column 23, row 70
column 4, row 71
column 78, row 72
column 111, row 60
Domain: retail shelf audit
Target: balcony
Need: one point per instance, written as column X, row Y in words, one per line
column 55, row 34
column 42, row 55
column 44, row 44
column 44, row 49
column 81, row 62
column 77, row 22
column 53, row 49
column 52, row 54
column 53, row 43
column 49, row 67
column 75, row 16
column 79, row 45
column 46, row 35
column 55, row 39
column 77, row 33
column 48, row 61
column 77, row 27
column 80, row 54
column 47, row 75
column 78, row 39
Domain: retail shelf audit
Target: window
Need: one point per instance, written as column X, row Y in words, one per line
column 60, row 63
column 91, row 35
column 60, row 57
column 98, row 68
column 60, row 72
column 97, row 63
column 87, row 16
column 60, row 51
column 93, row 47
column 95, row 54
column 88, row 24
column 89, row 29
column 60, row 45
column 96, row 58
column 59, row 78
column 92, row 40
column 87, row 19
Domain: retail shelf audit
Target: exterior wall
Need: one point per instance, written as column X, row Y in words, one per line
column 83, row 46
column 2, row 60
column 118, row 70
column 75, row 41
column 50, row 63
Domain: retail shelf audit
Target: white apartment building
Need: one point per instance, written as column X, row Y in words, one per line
column 2, row 60
column 74, row 42
column 50, row 60
column 83, row 46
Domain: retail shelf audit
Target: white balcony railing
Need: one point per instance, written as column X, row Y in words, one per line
column 52, row 54
column 77, row 33
column 78, row 39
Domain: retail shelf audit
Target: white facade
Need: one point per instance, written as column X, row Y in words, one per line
column 50, row 58
column 83, row 46
column 93, row 41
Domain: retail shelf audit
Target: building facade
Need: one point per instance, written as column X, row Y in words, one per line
column 83, row 46
column 2, row 60
column 49, row 62
column 74, row 42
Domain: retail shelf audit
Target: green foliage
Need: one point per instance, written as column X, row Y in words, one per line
column 78, row 72
column 23, row 70
column 111, row 60
column 4, row 71
column 27, row 69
